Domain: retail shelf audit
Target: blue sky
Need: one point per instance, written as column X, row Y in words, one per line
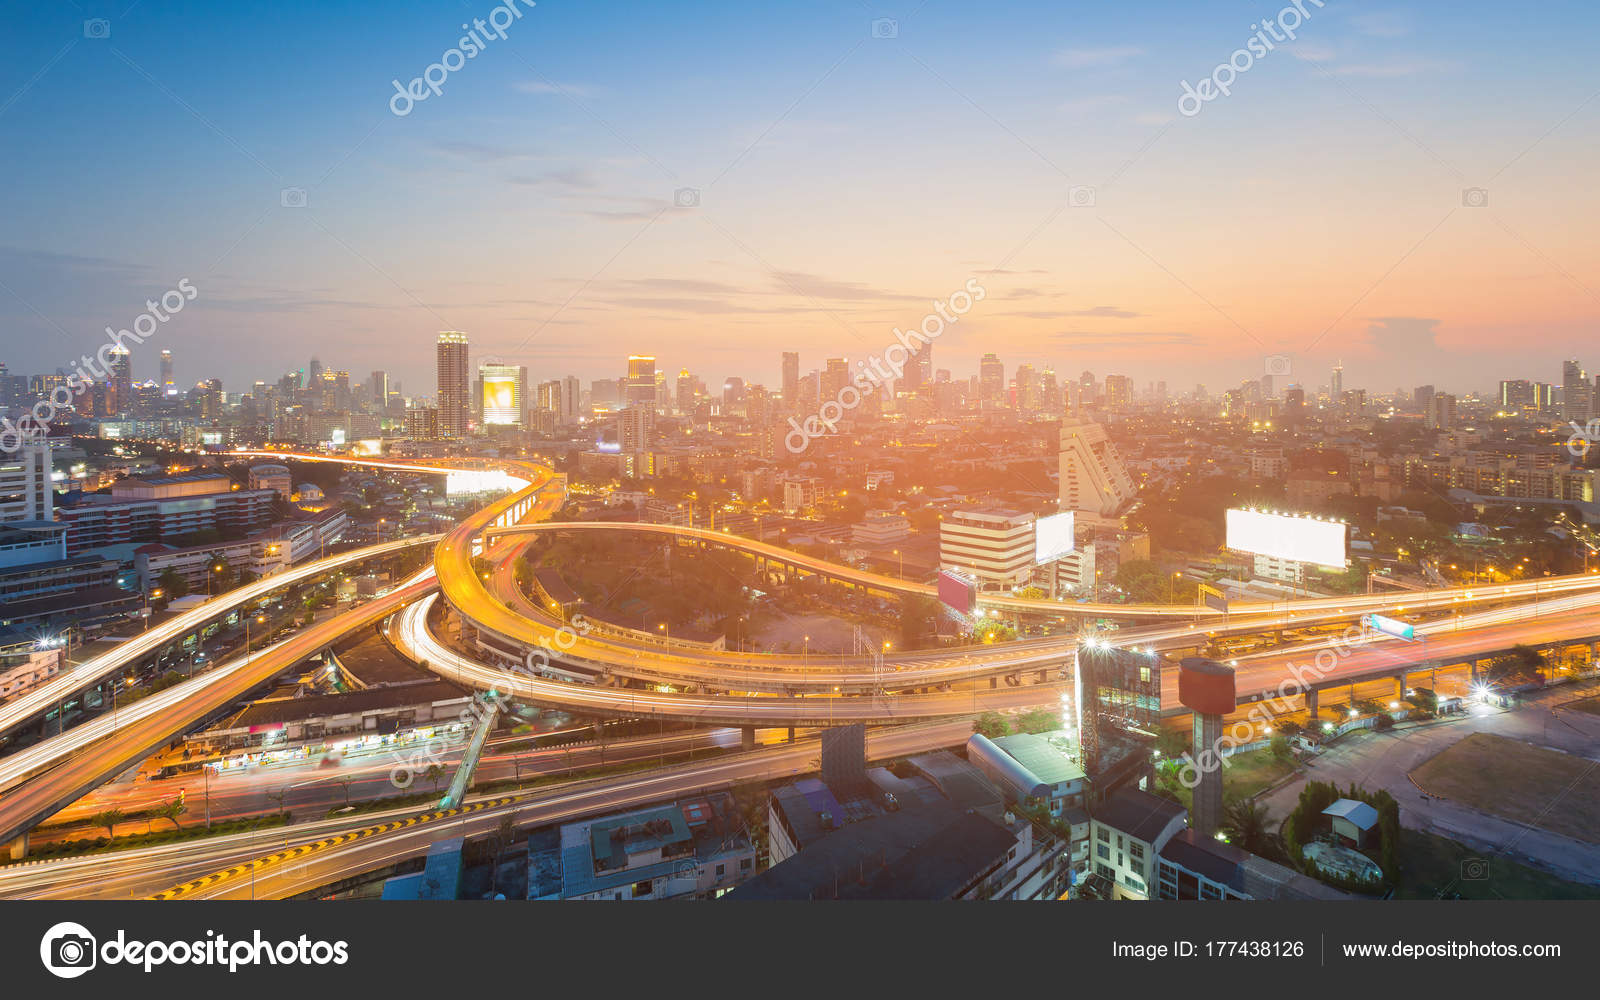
column 846, row 181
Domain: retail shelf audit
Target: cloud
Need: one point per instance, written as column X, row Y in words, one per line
column 816, row 287
column 1105, row 56
column 570, row 177
column 552, row 87
column 1389, row 70
column 1092, row 102
column 1382, row 24
column 480, row 152
column 1139, row 339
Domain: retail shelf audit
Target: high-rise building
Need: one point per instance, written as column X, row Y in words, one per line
column 571, row 398
column 378, row 389
column 1093, row 479
column 1336, row 382
column 454, row 398
column 26, row 493
column 1119, row 391
column 168, row 384
column 1422, row 398
column 1576, row 392
column 835, row 376
column 636, row 427
column 121, row 380
column 685, row 396
column 1516, row 395
column 791, row 379
column 505, row 393
column 991, row 378
column 640, row 385
column 1441, row 412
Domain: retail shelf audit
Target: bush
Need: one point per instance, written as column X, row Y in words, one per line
column 1383, row 722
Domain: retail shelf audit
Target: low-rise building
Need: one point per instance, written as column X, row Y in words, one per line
column 1128, row 831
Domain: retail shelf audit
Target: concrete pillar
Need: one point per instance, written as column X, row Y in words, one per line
column 1400, row 686
column 1311, row 702
column 747, row 737
column 791, row 735
column 18, row 849
column 1207, row 812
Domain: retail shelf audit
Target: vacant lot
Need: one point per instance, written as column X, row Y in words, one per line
column 1543, row 788
column 1590, row 705
column 1430, row 865
column 1245, row 775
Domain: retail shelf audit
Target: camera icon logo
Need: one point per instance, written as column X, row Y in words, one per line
column 1278, row 365
column 68, row 950
column 885, row 27
column 1474, row 870
column 686, row 198
column 1475, row 197
column 97, row 27
column 1081, row 196
column 292, row 197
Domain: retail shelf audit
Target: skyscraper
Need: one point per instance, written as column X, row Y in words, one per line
column 791, row 379
column 168, row 385
column 991, row 378
column 639, row 389
column 454, row 398
column 1576, row 391
column 1336, row 383
column 121, row 379
column 685, row 397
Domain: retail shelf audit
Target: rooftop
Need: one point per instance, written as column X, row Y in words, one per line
column 1048, row 762
column 1362, row 815
column 1138, row 814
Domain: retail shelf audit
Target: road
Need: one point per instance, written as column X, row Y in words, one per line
column 311, row 871
column 88, row 755
column 46, row 696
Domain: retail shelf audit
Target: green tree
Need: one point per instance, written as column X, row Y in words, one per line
column 1248, row 824
column 171, row 809
column 991, row 724
column 108, row 818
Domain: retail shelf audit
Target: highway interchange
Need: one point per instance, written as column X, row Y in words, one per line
column 940, row 689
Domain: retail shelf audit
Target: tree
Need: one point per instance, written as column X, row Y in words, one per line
column 1248, row 823
column 171, row 809
column 991, row 724
column 1171, row 743
column 1040, row 720
column 433, row 774
column 108, row 818
column 173, row 586
column 1280, row 746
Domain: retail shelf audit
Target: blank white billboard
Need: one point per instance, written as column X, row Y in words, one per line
column 1302, row 539
column 1052, row 537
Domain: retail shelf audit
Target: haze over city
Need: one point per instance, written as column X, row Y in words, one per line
column 844, row 180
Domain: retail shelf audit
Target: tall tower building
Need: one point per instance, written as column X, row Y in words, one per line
column 121, row 379
column 639, row 389
column 169, row 384
column 1093, row 479
column 1576, row 392
column 835, row 376
column 26, row 493
column 1336, row 383
column 991, row 378
column 454, row 398
column 791, row 379
column 684, row 403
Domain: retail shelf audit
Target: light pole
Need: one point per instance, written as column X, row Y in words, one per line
column 901, row 556
column 156, row 593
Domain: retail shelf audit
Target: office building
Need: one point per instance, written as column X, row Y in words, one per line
column 1576, row 392
column 994, row 545
column 454, row 397
column 791, row 380
column 26, row 493
column 1093, row 479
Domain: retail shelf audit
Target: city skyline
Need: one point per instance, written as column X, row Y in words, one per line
column 1048, row 157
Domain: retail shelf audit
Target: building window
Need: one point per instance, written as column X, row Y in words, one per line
column 1102, row 834
column 722, row 870
column 1103, row 851
column 1136, row 850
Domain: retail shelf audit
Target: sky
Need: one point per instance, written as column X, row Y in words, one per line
column 1407, row 189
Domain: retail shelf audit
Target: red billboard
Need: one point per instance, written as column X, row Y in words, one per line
column 957, row 592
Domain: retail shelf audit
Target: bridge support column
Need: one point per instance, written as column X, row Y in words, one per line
column 791, row 735
column 1311, row 702
column 1400, row 686
column 994, row 682
column 747, row 738
column 18, row 849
